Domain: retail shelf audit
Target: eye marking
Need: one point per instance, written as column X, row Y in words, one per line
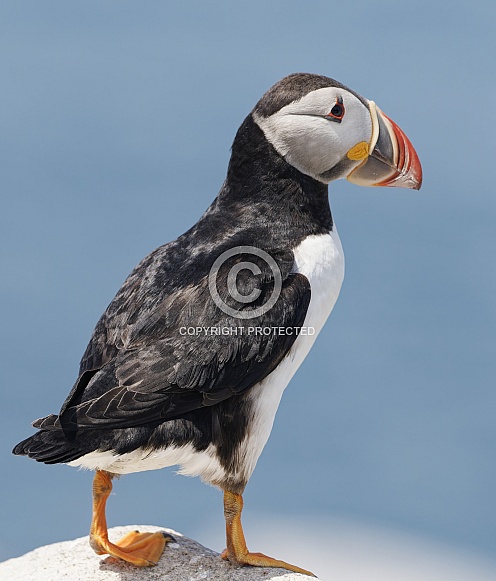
column 337, row 112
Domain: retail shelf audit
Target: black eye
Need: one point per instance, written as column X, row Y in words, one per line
column 337, row 112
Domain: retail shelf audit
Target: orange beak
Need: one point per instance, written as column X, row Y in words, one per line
column 392, row 159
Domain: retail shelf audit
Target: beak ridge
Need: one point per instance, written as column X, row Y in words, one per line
column 392, row 161
column 408, row 167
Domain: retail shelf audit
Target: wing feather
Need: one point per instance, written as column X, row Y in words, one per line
column 141, row 366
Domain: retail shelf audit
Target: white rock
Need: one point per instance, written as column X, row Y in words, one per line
column 185, row 560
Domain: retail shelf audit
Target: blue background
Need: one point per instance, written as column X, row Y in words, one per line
column 116, row 120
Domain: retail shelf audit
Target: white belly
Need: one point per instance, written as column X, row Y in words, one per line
column 320, row 259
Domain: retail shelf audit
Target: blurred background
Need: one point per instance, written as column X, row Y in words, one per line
column 116, row 119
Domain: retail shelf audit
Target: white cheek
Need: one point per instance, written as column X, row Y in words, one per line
column 308, row 143
column 356, row 125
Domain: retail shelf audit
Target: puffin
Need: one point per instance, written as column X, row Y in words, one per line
column 187, row 365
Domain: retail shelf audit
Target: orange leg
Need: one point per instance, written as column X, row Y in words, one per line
column 237, row 551
column 141, row 549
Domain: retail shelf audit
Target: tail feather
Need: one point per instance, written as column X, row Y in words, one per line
column 46, row 423
column 50, row 447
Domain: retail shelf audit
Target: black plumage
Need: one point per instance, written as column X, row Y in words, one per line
column 142, row 383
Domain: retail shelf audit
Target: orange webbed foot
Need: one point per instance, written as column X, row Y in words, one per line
column 237, row 552
column 140, row 549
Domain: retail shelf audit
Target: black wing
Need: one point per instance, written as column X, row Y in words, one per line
column 164, row 348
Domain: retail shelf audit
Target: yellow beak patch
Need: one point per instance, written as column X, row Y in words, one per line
column 359, row 151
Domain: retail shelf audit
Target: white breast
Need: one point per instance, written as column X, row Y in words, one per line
column 319, row 258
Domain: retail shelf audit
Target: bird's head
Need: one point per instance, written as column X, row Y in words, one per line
column 328, row 132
